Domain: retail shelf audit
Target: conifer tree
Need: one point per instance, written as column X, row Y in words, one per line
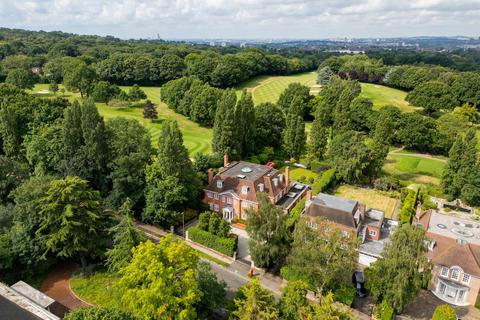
column 149, row 111
column 324, row 75
column 85, row 146
column 318, row 138
column 245, row 122
column 294, row 136
column 341, row 116
column 171, row 181
column 225, row 140
column 449, row 180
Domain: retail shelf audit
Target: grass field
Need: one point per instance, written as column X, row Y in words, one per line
column 97, row 289
column 382, row 95
column 414, row 168
column 299, row 173
column 371, row 198
column 269, row 88
column 196, row 138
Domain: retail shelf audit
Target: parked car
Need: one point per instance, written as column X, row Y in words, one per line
column 358, row 280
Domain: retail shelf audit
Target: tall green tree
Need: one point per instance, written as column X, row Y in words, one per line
column 269, row 126
column 171, row 181
column 125, row 238
column 387, row 124
column 245, row 119
column 321, row 255
column 12, row 173
column 254, row 302
column 268, row 231
column 72, row 221
column 294, row 136
column 214, row 293
column 149, row 111
column 324, row 75
column 432, row 96
column 131, row 151
column 22, row 78
column 204, row 106
column 80, row 78
column 460, row 177
column 85, row 151
column 328, row 97
column 403, row 270
column 294, row 298
column 225, row 139
column 350, row 156
column 299, row 92
column 318, row 139
column 159, row 282
column 342, row 119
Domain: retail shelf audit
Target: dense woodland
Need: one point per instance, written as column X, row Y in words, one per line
column 72, row 183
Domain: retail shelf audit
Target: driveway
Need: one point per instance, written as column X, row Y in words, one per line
column 243, row 252
column 57, row 286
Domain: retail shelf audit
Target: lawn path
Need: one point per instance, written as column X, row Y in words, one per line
column 397, row 152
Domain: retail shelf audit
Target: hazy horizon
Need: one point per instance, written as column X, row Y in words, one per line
column 247, row 19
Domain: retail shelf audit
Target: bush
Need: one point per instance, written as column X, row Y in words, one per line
column 227, row 246
column 315, row 166
column 386, row 183
column 203, row 220
column 444, row 312
column 384, row 311
column 213, row 224
column 408, row 207
column 296, row 212
column 326, row 180
column 96, row 313
column 344, row 294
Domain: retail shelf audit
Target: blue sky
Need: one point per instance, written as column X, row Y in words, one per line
column 176, row 19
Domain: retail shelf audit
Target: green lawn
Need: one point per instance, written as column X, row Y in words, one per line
column 97, row 289
column 300, row 174
column 196, row 138
column 371, row 198
column 382, row 95
column 414, row 168
column 269, row 88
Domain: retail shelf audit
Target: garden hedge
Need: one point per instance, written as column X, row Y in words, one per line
column 227, row 246
column 408, row 207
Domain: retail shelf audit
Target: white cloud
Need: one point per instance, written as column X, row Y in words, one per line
column 246, row 18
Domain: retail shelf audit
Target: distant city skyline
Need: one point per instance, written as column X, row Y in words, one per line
column 246, row 19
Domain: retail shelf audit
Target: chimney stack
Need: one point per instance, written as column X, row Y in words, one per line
column 210, row 175
column 225, row 160
column 308, row 194
column 287, row 178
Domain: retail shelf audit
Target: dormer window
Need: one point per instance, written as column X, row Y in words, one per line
column 455, row 274
column 220, row 184
column 244, row 189
column 261, row 187
column 275, row 181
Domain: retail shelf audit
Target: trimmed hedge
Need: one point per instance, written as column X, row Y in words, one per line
column 326, row 180
column 227, row 246
column 408, row 207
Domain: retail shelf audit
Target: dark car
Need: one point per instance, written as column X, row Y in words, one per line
column 358, row 280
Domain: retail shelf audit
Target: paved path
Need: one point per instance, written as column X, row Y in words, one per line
column 57, row 286
column 243, row 251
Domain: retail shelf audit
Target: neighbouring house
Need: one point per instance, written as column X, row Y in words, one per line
column 22, row 302
column 233, row 190
column 370, row 226
column 454, row 251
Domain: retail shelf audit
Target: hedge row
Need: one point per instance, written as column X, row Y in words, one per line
column 408, row 207
column 326, row 180
column 227, row 246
